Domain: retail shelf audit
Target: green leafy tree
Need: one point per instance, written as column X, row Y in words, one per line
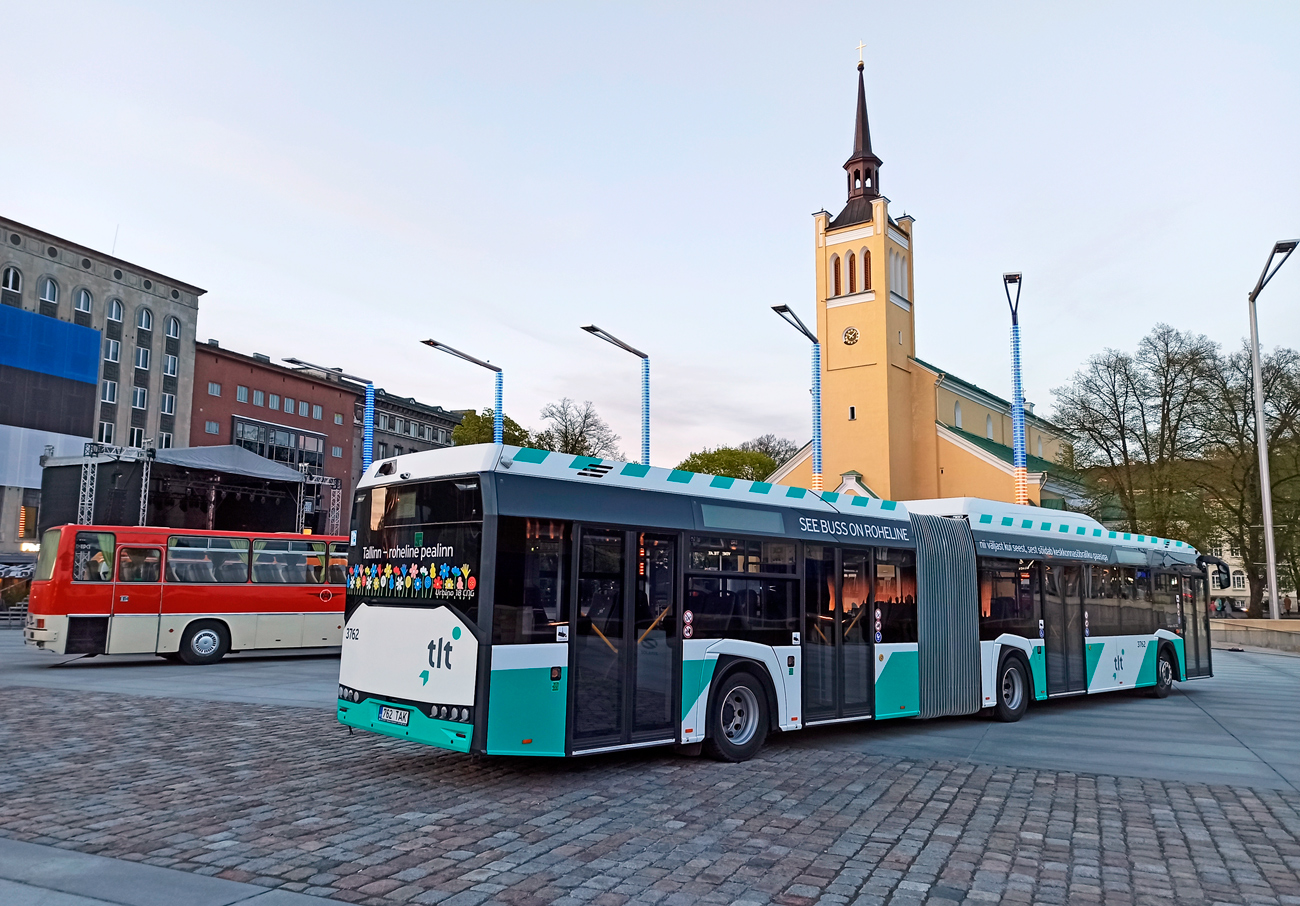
column 476, row 428
column 731, row 462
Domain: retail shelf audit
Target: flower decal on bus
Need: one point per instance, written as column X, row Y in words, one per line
column 433, row 580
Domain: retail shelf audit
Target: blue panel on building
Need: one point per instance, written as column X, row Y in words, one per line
column 32, row 342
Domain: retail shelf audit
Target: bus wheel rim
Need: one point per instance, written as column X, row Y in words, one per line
column 1166, row 672
column 739, row 715
column 1012, row 688
column 205, row 642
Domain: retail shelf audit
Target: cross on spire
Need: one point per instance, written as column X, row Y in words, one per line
column 860, row 47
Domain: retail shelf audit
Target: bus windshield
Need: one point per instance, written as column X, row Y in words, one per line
column 417, row 545
column 45, row 559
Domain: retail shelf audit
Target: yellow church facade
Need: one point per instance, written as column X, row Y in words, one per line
column 894, row 426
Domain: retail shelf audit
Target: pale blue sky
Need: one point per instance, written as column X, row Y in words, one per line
column 346, row 180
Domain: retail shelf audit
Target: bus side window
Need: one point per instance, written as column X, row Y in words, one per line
column 338, row 564
column 1099, row 601
column 139, row 564
column 532, row 591
column 92, row 559
column 894, row 594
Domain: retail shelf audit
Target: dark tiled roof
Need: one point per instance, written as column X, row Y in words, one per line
column 858, row 210
column 948, row 376
column 1007, row 455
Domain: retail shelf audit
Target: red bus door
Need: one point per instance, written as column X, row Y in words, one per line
column 137, row 601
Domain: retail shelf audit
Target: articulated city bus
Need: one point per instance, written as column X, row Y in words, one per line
column 185, row 594
column 511, row 601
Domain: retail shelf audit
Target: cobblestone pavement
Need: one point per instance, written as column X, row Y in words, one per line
column 286, row 798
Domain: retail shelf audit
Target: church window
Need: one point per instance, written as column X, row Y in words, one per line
column 988, row 426
column 857, row 179
column 853, row 273
column 956, row 413
column 853, row 413
column 866, row 269
column 835, row 276
column 1040, row 446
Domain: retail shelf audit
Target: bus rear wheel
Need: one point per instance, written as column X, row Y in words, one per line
column 738, row 719
column 204, row 642
column 1165, row 674
column 1012, row 690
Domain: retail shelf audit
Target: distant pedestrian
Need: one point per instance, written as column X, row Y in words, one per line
column 1286, row 604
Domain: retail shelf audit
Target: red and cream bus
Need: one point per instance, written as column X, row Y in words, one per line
column 184, row 594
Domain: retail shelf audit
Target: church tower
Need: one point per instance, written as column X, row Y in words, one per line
column 865, row 323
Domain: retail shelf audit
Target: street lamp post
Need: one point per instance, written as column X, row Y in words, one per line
column 368, row 420
column 1284, row 248
column 497, row 417
column 792, row 319
column 645, row 385
column 1018, row 459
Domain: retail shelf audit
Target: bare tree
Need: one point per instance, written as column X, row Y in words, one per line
column 779, row 449
column 576, row 429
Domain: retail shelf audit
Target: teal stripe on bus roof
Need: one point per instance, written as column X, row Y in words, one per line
column 581, row 462
column 1064, row 528
column 760, row 487
column 1096, row 533
column 795, row 492
column 1027, row 523
column 721, row 481
column 1082, row 531
column 680, row 476
column 986, row 518
column 860, row 501
column 888, row 504
column 1007, row 520
column 830, row 496
column 635, row 470
column 1045, row 527
column 528, row 454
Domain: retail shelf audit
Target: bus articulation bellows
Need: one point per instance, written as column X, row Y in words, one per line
column 511, row 601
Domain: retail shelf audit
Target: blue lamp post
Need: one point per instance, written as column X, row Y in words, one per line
column 1018, row 459
column 792, row 319
column 645, row 385
column 368, row 419
column 498, row 427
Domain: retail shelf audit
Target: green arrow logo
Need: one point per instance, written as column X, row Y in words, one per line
column 424, row 677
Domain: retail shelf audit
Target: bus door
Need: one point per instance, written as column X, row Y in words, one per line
column 1196, row 626
column 137, row 601
column 1064, row 629
column 839, row 626
column 88, row 598
column 624, row 648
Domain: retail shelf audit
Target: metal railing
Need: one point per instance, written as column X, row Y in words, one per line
column 14, row 617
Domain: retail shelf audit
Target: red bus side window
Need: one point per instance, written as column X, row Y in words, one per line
column 139, row 564
column 92, row 557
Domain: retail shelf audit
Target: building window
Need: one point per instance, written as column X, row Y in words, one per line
column 988, row 426
column 83, row 300
column 169, row 365
column 336, row 452
column 853, row 413
column 835, row 276
column 112, row 351
column 303, row 406
column 144, row 319
column 114, row 310
column 397, row 450
column 214, row 389
column 956, row 413
column 164, row 440
column 383, row 451
column 317, row 413
column 173, row 328
column 105, row 432
column 259, row 398
column 49, row 290
column 288, row 405
column 136, row 437
column 442, row 435
column 109, row 393
column 338, row 418
column 241, row 393
column 168, row 404
column 1238, row 580
column 399, row 426
column 13, row 280
column 853, row 273
column 139, row 398
column 142, row 358
column 211, row 428
column 273, row 402
column 1040, row 447
column 27, row 522
column 1217, row 549
column 866, row 269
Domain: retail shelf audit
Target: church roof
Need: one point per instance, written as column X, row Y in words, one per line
column 858, row 210
column 1007, row 455
column 950, row 378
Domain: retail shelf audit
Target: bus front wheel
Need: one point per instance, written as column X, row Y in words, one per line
column 738, row 719
column 204, row 642
column 1012, row 690
column 1166, row 673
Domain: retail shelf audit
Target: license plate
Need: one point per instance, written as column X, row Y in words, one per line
column 395, row 716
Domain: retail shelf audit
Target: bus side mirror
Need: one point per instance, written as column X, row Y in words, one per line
column 1225, row 579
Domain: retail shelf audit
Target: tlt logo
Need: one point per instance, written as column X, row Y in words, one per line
column 1119, row 662
column 444, row 654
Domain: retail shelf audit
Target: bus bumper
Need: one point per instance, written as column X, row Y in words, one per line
column 51, row 636
column 444, row 734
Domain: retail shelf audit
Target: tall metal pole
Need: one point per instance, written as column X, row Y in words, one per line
column 498, row 417
column 792, row 319
column 368, row 429
column 1019, row 460
column 1261, row 427
column 645, row 385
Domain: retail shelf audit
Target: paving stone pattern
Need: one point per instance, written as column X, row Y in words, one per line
column 286, row 798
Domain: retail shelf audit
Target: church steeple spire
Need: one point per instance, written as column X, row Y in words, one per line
column 863, row 167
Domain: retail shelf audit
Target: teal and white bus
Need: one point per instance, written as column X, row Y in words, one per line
column 511, row 601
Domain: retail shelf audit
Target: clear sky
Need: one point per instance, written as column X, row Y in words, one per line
column 348, row 179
